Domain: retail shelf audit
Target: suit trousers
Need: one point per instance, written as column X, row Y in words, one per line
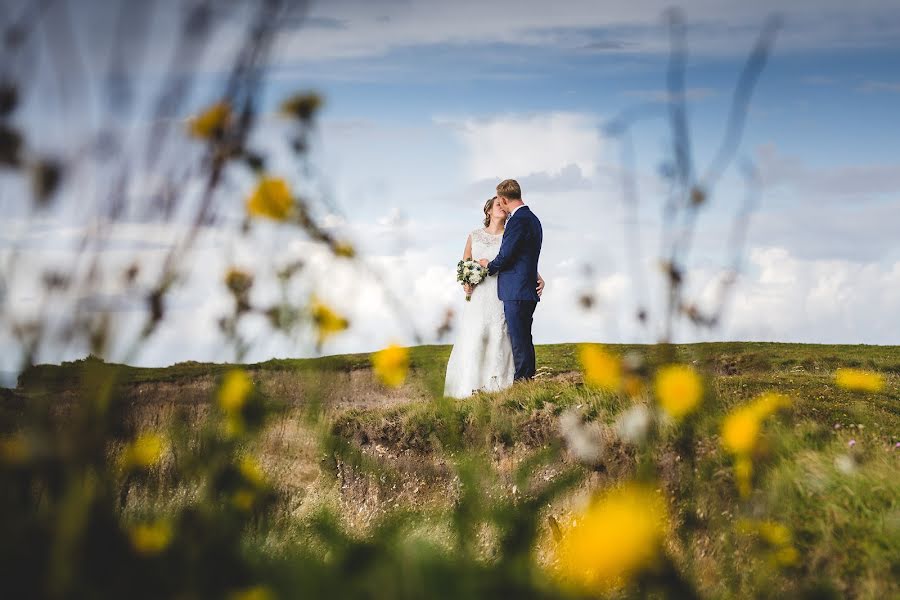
column 519, row 317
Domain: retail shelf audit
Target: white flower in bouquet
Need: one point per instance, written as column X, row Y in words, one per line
column 471, row 273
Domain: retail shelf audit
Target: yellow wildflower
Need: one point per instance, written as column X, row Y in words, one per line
column 344, row 249
column 14, row 449
column 257, row 592
column 774, row 533
column 251, row 471
column 391, row 365
column 740, row 434
column 144, row 452
column 601, row 369
column 236, row 385
column 243, row 499
column 777, row 537
column 211, row 122
column 859, row 380
column 787, row 556
column 741, row 427
column 769, row 403
column 678, row 389
column 619, row 535
column 150, row 538
column 740, row 430
column 743, row 475
column 302, row 106
column 327, row 321
column 271, row 199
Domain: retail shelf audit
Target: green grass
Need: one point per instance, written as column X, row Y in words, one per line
column 845, row 521
column 554, row 358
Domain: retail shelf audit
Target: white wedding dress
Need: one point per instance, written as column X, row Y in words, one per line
column 481, row 359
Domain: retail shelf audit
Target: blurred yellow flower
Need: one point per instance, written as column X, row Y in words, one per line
column 740, row 430
column 769, row 403
column 741, row 427
column 150, row 538
column 243, row 499
column 391, row 365
column 777, row 537
column 251, row 471
column 257, row 592
column 601, row 369
column 344, row 249
column 271, row 199
column 740, row 434
column 302, row 106
column 619, row 535
column 211, row 122
column 774, row 533
column 144, row 452
column 236, row 385
column 859, row 380
column 787, row 556
column 326, row 321
column 14, row 449
column 679, row 390
column 743, row 475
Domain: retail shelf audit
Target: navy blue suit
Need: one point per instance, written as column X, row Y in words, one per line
column 516, row 267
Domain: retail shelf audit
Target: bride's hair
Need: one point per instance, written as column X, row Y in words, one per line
column 487, row 211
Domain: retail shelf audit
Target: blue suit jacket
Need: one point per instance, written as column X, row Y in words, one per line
column 516, row 265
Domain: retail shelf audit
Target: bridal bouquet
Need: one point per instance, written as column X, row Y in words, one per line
column 469, row 271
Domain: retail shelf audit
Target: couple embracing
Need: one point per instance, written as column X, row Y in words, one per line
column 494, row 347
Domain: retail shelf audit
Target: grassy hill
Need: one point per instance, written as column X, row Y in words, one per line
column 827, row 470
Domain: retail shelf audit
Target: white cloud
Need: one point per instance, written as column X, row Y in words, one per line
column 516, row 146
column 820, row 301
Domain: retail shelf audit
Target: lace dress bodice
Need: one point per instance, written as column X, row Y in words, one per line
column 481, row 358
column 486, row 245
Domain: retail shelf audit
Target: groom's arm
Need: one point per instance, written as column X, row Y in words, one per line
column 512, row 238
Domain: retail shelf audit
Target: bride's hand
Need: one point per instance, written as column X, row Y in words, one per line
column 540, row 286
column 468, row 288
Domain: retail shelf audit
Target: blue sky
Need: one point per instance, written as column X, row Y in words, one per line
column 429, row 104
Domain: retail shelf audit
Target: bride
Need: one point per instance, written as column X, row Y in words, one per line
column 481, row 359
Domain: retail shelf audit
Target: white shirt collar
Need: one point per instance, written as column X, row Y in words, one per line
column 515, row 209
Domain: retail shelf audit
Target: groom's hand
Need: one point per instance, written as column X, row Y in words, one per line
column 483, row 262
column 540, row 286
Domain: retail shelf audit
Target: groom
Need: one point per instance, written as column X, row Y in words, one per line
column 516, row 267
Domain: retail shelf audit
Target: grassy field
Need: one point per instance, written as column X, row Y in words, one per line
column 828, row 467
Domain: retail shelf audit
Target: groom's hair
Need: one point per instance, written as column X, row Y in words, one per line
column 509, row 189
